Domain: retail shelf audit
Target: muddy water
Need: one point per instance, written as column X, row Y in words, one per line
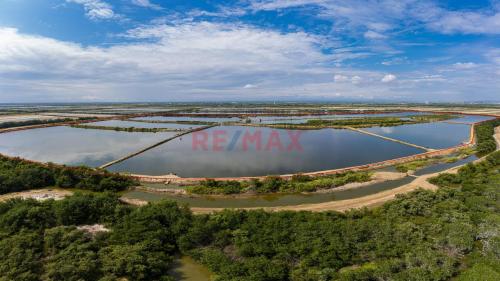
column 187, row 269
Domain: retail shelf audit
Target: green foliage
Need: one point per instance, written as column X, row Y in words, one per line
column 17, row 174
column 273, row 184
column 484, row 135
column 5, row 125
column 39, row 240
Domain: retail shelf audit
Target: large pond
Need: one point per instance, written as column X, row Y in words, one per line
column 431, row 135
column 304, row 119
column 291, row 199
column 73, row 146
column 188, row 118
column 472, row 118
column 128, row 124
column 230, row 151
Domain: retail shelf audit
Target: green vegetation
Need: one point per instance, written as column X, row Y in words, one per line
column 380, row 121
column 273, row 184
column 448, row 234
column 40, row 241
column 127, row 129
column 365, row 122
column 424, row 235
column 17, row 174
column 484, row 134
column 13, row 124
column 421, row 163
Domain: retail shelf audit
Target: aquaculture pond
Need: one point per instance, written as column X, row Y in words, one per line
column 73, row 146
column 230, row 151
column 188, row 118
column 303, row 119
column 273, row 200
column 472, row 118
column 128, row 124
column 432, row 135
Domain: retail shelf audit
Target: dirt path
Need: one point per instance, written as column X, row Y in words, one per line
column 497, row 136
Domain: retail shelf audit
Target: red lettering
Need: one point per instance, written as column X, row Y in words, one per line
column 252, row 138
column 274, row 141
column 200, row 139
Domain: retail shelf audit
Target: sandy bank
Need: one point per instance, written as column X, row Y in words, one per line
column 38, row 194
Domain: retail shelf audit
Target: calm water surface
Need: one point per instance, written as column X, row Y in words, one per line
column 128, row 124
column 188, row 118
column 235, row 155
column 73, row 146
column 432, row 135
column 472, row 118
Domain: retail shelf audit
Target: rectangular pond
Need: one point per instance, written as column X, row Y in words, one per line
column 304, row 119
column 472, row 118
column 73, row 146
column 232, row 151
column 432, row 135
column 187, row 118
column 128, row 124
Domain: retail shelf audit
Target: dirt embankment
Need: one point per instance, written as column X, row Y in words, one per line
column 38, row 194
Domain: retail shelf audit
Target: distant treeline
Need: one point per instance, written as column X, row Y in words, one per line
column 127, row 129
column 273, row 184
column 13, row 124
column 484, row 136
column 17, row 175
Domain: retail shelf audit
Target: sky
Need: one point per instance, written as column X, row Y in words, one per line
column 249, row 50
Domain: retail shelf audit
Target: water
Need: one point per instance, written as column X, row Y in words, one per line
column 128, row 124
column 472, row 118
column 73, row 146
column 187, row 269
column 433, row 135
column 274, row 200
column 188, row 118
column 304, row 119
column 314, row 150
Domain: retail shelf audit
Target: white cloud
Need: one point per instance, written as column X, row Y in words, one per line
column 201, row 61
column 450, row 22
column 356, row 79
column 380, row 16
column 146, row 4
column 388, row 78
column 96, row 9
column 464, row 65
column 374, row 35
column 340, row 78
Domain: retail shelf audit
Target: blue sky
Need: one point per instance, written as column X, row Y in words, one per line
column 152, row 50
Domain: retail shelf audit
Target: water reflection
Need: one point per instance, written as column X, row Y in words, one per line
column 236, row 155
column 128, row 124
column 432, row 135
column 73, row 146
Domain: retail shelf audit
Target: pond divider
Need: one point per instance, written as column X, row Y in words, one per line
column 155, row 145
column 390, row 139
